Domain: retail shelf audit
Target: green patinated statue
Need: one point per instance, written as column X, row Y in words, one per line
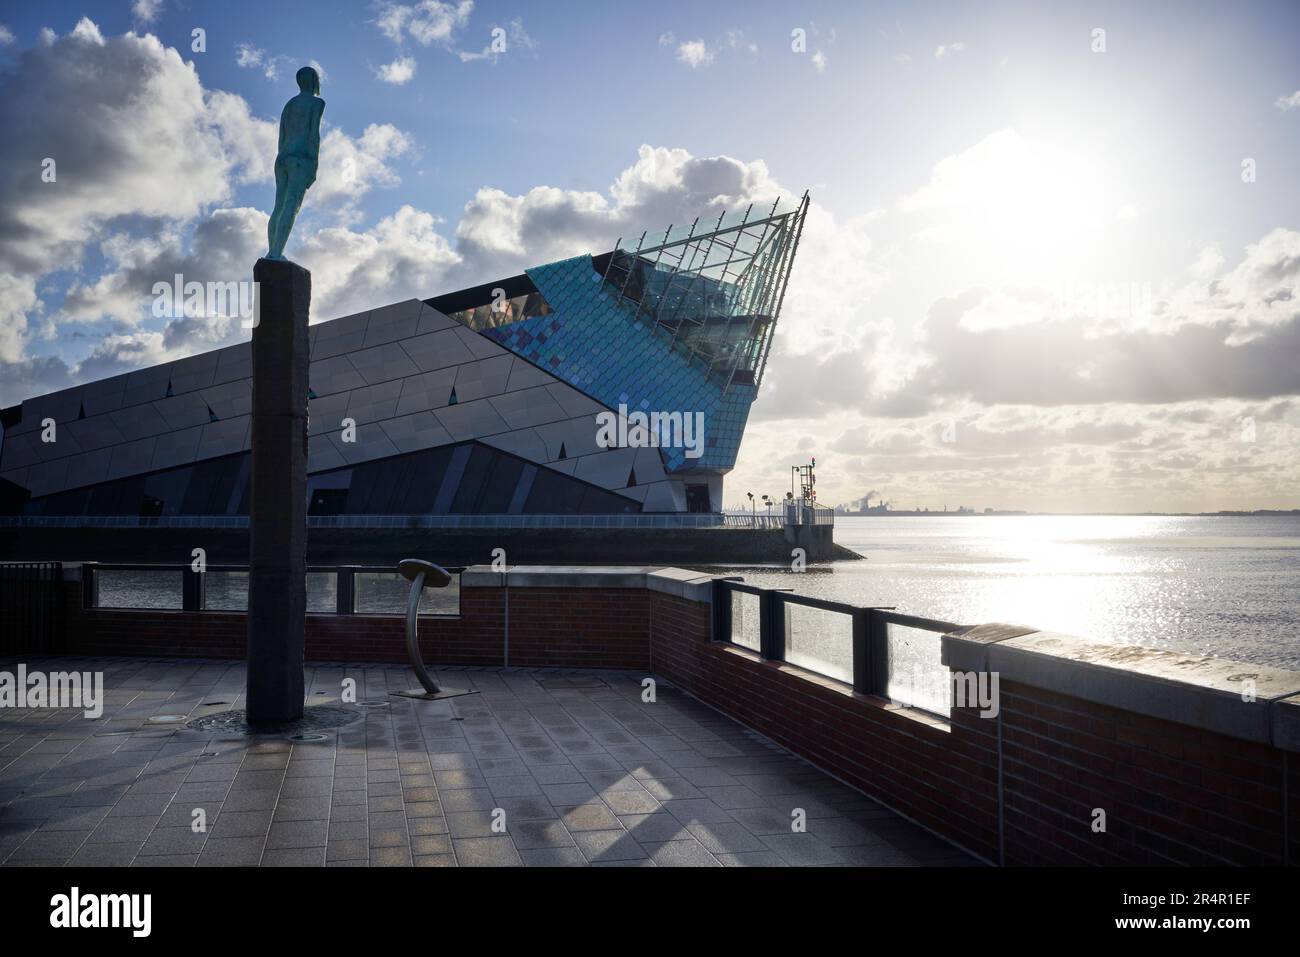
column 295, row 163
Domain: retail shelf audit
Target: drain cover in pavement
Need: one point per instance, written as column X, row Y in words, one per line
column 313, row 719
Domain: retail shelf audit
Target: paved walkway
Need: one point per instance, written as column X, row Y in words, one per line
column 573, row 765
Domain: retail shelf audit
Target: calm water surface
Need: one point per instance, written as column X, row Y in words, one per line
column 1223, row 586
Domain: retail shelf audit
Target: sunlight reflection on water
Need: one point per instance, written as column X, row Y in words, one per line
column 1225, row 586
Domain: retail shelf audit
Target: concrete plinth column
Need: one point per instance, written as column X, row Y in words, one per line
column 277, row 577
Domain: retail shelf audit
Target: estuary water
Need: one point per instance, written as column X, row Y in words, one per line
column 1227, row 586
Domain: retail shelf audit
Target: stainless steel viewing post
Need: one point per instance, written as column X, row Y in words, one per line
column 421, row 574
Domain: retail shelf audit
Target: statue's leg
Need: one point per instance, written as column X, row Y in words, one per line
column 294, row 191
column 276, row 234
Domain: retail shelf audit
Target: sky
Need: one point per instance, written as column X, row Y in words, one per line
column 1051, row 261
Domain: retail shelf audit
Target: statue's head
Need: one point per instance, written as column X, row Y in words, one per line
column 309, row 81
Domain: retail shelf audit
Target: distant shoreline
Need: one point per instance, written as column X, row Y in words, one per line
column 1257, row 513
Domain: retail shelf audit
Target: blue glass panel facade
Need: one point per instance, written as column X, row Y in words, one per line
column 593, row 342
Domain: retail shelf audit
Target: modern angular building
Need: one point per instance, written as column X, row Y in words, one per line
column 484, row 401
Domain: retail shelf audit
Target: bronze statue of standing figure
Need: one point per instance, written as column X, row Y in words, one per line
column 295, row 163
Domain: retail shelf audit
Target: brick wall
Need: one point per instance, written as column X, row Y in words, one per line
column 1172, row 793
column 549, row 627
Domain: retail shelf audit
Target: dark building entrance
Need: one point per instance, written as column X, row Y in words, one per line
column 697, row 499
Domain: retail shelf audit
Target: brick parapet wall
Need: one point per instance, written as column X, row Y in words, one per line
column 549, row 628
column 1172, row 793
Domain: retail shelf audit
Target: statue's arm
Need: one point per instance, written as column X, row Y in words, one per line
column 283, row 127
column 313, row 138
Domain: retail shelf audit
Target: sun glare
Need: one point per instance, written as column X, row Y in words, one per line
column 1036, row 211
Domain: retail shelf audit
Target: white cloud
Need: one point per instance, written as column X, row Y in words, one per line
column 146, row 11
column 401, row 256
column 88, row 31
column 942, row 51
column 694, row 53
column 162, row 157
column 1233, row 338
column 819, row 61
column 1207, row 265
column 251, row 57
column 1291, row 102
column 220, row 248
column 443, row 23
column 255, row 58
column 17, row 300
column 6, row 35
column 700, row 53
column 400, row 71
column 427, row 22
column 500, row 233
column 247, row 55
column 250, row 142
column 996, row 164
column 737, row 40
column 350, row 167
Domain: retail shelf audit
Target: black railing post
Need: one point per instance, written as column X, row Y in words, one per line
column 89, row 585
column 862, row 651
column 721, row 617
column 193, row 589
column 877, row 653
column 771, row 641
column 58, row 638
column 345, row 590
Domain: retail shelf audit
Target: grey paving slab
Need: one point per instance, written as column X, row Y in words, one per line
column 681, row 854
column 572, row 764
column 609, row 845
column 232, row 852
column 552, row 857
column 498, row 851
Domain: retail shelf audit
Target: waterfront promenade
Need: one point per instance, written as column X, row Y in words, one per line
column 631, row 713
column 574, row 768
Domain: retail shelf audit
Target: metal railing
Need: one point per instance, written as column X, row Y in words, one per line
column 868, row 647
column 31, row 607
column 751, row 520
column 804, row 513
column 332, row 589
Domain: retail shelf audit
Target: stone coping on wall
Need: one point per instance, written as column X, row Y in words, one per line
column 1243, row 700
column 680, row 582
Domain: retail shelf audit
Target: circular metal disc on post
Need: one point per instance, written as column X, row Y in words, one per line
column 435, row 576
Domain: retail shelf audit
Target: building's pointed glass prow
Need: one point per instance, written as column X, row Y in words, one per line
column 713, row 289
